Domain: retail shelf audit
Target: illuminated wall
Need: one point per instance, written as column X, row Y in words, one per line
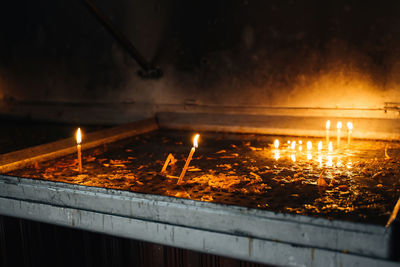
column 269, row 53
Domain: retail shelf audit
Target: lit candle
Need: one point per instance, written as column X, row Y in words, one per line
column 79, row 148
column 319, row 146
column 328, row 126
column 349, row 131
column 195, row 145
column 293, row 145
column 276, row 144
column 339, row 127
column 309, row 145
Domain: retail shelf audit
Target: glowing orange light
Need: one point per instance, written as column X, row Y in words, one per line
column 319, row 145
column 330, row 147
column 320, row 160
column 293, row 145
column 350, row 126
column 276, row 143
column 78, row 136
column 195, row 141
column 329, row 163
column 276, row 155
column 309, row 145
column 339, row 125
column 328, row 124
column 349, row 164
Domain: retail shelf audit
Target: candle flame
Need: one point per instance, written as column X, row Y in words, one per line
column 195, row 141
column 328, row 124
column 350, row 126
column 330, row 147
column 309, row 156
column 288, row 142
column 309, row 145
column 300, row 148
column 293, row 157
column 300, row 142
column 319, row 145
column 276, row 143
column 339, row 125
column 293, row 145
column 78, row 136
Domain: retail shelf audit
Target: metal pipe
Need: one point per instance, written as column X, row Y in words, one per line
column 149, row 70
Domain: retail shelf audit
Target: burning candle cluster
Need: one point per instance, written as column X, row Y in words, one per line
column 295, row 148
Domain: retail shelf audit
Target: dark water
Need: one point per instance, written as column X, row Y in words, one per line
column 238, row 169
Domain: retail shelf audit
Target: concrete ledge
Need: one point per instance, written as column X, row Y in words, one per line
column 245, row 248
column 312, row 233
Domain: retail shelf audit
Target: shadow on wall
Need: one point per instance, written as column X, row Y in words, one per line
column 269, row 53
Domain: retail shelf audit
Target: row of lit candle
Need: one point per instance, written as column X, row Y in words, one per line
column 339, row 126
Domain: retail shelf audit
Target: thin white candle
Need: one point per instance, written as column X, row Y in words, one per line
column 328, row 126
column 349, row 132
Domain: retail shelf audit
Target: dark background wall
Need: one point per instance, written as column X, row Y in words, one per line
column 272, row 53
